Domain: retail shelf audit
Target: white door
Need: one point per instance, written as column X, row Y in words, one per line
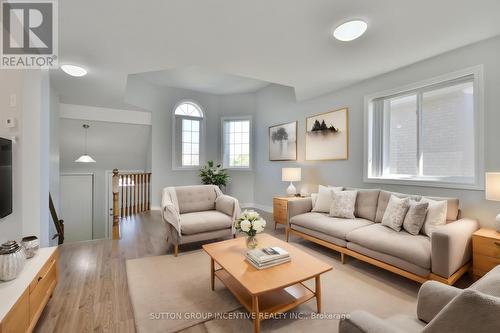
column 77, row 191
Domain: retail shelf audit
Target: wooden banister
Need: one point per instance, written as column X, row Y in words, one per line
column 59, row 224
column 131, row 195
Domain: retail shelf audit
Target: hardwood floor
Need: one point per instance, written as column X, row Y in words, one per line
column 92, row 293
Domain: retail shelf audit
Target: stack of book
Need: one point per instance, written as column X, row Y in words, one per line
column 267, row 257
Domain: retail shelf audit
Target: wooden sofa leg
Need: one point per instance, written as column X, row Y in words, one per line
column 342, row 257
column 287, row 234
column 176, row 250
column 234, row 235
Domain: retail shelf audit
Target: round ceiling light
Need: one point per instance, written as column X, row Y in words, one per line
column 350, row 30
column 74, row 70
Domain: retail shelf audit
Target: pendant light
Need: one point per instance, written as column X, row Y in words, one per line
column 85, row 158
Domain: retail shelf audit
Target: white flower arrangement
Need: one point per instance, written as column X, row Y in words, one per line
column 250, row 223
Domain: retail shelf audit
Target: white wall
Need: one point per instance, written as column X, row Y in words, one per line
column 31, row 153
column 54, row 168
column 161, row 101
column 276, row 104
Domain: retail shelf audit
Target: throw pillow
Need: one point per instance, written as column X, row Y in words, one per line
column 395, row 212
column 436, row 215
column 343, row 204
column 314, row 197
column 324, row 200
column 415, row 217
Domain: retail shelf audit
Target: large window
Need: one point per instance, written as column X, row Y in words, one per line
column 236, row 147
column 428, row 135
column 188, row 130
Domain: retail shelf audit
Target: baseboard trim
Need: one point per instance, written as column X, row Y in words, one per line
column 267, row 209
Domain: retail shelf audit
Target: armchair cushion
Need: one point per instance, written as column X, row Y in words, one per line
column 452, row 246
column 432, row 298
column 225, row 204
column 198, row 222
column 471, row 311
column 196, row 198
column 361, row 322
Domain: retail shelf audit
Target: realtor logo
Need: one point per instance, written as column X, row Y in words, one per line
column 29, row 34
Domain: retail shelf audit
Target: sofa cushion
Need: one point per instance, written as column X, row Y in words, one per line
column 195, row 198
column 320, row 235
column 414, row 249
column 198, row 222
column 366, row 203
column 452, row 208
column 383, row 201
column 332, row 226
column 389, row 259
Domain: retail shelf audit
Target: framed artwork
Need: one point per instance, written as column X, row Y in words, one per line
column 327, row 136
column 283, row 142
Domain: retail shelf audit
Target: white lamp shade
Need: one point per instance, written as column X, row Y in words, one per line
column 493, row 186
column 85, row 159
column 291, row 174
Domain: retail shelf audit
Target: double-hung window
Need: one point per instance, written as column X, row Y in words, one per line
column 429, row 134
column 187, row 132
column 236, row 142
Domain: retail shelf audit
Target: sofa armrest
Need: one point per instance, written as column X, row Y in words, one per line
column 451, row 246
column 432, row 297
column 226, row 204
column 364, row 322
column 471, row 311
column 299, row 206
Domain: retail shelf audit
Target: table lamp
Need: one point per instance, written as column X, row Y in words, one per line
column 291, row 175
column 493, row 191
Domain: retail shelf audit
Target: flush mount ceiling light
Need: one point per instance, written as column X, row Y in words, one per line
column 74, row 70
column 350, row 30
column 85, row 158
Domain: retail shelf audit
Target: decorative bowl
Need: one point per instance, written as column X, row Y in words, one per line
column 31, row 245
column 12, row 258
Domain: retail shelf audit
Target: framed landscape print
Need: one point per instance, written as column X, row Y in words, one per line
column 283, row 142
column 327, row 136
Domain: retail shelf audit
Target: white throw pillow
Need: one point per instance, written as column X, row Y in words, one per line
column 324, row 199
column 314, row 197
column 436, row 215
column 343, row 204
column 395, row 212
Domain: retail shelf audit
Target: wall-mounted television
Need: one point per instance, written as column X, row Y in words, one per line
column 5, row 177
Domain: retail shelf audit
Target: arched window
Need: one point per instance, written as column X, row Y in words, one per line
column 188, row 131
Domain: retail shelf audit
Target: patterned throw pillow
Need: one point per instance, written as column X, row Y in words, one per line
column 324, row 199
column 436, row 215
column 343, row 204
column 415, row 217
column 395, row 212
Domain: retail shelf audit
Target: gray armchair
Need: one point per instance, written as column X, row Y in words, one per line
column 440, row 308
column 197, row 213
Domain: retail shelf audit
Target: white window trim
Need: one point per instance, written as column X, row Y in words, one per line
column 175, row 166
column 249, row 118
column 478, row 73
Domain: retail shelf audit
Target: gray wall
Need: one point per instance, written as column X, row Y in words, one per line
column 112, row 145
column 161, row 102
column 276, row 104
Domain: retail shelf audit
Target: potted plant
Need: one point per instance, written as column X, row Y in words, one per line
column 251, row 224
column 214, row 175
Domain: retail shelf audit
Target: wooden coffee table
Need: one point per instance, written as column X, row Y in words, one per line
column 269, row 291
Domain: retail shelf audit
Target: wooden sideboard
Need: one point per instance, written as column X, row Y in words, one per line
column 23, row 299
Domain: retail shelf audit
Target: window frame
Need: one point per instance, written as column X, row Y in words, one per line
column 177, row 139
column 442, row 182
column 250, row 148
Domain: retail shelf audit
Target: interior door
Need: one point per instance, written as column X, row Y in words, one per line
column 77, row 191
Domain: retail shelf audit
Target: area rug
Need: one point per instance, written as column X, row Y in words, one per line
column 181, row 286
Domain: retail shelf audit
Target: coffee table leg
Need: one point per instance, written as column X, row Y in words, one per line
column 255, row 307
column 212, row 273
column 318, row 294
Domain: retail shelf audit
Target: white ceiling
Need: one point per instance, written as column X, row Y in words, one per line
column 286, row 42
column 204, row 80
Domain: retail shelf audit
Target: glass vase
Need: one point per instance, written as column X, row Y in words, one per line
column 252, row 242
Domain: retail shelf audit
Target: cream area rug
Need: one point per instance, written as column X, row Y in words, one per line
column 169, row 294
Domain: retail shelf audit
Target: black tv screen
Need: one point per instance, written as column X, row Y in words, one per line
column 5, row 177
